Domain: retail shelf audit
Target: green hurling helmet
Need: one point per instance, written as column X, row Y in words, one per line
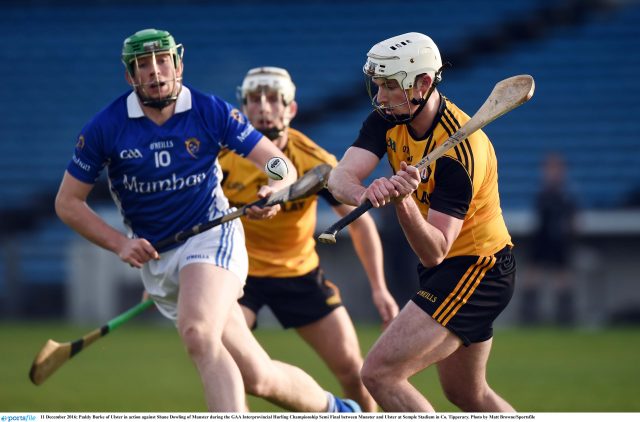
column 149, row 41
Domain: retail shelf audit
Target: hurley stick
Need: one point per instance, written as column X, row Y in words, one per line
column 505, row 96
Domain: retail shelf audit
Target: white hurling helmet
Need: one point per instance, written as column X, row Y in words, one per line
column 402, row 58
column 268, row 77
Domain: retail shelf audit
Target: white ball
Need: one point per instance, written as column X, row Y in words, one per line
column 276, row 168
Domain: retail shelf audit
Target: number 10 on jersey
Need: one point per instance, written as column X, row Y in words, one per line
column 162, row 158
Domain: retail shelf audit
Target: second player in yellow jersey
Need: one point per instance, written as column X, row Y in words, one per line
column 284, row 268
column 284, row 246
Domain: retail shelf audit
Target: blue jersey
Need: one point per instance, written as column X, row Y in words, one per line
column 164, row 179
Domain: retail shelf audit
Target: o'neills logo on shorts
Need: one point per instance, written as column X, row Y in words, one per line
column 429, row 296
column 197, row 256
column 173, row 183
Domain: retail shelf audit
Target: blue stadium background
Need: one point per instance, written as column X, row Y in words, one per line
column 60, row 65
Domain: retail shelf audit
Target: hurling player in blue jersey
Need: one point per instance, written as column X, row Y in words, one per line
column 159, row 143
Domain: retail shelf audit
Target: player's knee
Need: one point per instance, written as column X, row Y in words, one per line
column 374, row 376
column 199, row 341
column 258, row 388
column 257, row 383
column 467, row 399
column 347, row 369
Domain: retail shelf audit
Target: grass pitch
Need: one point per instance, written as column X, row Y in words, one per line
column 143, row 368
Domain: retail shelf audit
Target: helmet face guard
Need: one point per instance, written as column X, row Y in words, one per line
column 264, row 81
column 386, row 110
column 152, row 43
column 402, row 58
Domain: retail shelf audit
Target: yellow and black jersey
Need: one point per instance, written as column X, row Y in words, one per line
column 463, row 183
column 284, row 245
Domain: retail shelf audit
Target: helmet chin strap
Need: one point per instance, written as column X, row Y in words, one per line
column 273, row 133
column 161, row 102
column 277, row 131
column 423, row 101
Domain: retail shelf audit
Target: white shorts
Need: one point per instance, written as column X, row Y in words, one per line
column 222, row 246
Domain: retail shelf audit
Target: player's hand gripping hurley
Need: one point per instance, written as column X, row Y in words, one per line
column 53, row 354
column 506, row 95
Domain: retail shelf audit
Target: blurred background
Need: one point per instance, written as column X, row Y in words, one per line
column 569, row 166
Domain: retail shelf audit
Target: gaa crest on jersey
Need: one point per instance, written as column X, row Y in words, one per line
column 193, row 147
column 80, row 143
column 235, row 113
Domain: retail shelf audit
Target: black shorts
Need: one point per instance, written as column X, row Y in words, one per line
column 295, row 301
column 467, row 293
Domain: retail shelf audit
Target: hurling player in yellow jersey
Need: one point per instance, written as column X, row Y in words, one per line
column 284, row 271
column 451, row 217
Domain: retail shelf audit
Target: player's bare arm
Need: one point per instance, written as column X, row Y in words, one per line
column 430, row 239
column 72, row 208
column 345, row 181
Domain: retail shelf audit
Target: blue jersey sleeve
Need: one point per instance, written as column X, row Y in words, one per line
column 89, row 156
column 237, row 133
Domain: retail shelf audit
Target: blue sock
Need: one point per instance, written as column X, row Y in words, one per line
column 331, row 403
column 338, row 405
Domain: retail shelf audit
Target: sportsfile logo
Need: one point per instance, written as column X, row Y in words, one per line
column 22, row 418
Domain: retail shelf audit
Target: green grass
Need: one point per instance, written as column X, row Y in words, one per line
column 143, row 368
